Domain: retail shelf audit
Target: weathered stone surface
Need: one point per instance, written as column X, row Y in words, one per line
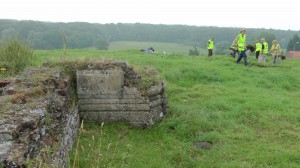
column 5, row 147
column 114, row 107
column 109, row 95
column 69, row 136
column 154, row 90
column 100, row 81
column 35, row 113
column 113, row 101
column 3, row 83
column 142, row 116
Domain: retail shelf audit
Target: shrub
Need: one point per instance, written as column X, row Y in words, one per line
column 15, row 55
column 194, row 51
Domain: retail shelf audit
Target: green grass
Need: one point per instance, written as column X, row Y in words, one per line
column 15, row 55
column 159, row 47
column 250, row 114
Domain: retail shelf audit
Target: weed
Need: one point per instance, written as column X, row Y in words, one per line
column 15, row 55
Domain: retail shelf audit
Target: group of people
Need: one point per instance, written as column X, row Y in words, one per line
column 239, row 47
column 262, row 48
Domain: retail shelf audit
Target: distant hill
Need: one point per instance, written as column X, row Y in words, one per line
column 49, row 35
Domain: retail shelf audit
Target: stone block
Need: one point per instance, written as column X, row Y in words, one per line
column 100, row 81
column 102, row 96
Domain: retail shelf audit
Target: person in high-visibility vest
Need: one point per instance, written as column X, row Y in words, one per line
column 264, row 51
column 258, row 47
column 240, row 41
column 210, row 46
column 275, row 51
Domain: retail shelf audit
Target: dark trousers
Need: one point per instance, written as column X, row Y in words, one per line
column 257, row 54
column 242, row 55
column 210, row 52
column 276, row 59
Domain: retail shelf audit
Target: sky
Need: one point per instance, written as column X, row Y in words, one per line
column 275, row 14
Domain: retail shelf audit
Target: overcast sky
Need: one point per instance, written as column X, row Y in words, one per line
column 275, row 14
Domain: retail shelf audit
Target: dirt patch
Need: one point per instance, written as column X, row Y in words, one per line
column 203, row 144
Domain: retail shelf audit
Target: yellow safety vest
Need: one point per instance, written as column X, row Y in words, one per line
column 258, row 47
column 266, row 48
column 210, row 44
column 241, row 42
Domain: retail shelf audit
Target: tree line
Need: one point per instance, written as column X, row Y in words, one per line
column 55, row 35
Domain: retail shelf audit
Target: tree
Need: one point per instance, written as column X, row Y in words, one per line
column 294, row 43
column 194, row 52
column 45, row 35
column 101, row 44
column 222, row 47
column 269, row 37
column 65, row 42
column 8, row 33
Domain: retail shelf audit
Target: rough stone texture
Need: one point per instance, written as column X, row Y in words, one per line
column 104, row 95
column 34, row 114
column 69, row 137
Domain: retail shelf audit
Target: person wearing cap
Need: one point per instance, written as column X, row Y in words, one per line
column 240, row 41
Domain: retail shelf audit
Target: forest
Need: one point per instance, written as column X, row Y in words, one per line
column 79, row 35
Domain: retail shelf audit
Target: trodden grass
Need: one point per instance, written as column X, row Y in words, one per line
column 250, row 114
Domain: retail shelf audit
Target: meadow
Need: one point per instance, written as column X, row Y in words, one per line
column 159, row 47
column 250, row 115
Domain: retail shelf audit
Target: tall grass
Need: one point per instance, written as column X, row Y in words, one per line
column 15, row 55
column 250, row 114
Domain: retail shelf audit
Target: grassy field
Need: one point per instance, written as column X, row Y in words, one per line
column 249, row 114
column 158, row 47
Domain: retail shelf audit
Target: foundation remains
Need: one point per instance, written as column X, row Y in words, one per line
column 40, row 110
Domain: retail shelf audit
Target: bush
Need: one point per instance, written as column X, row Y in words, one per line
column 15, row 55
column 194, row 51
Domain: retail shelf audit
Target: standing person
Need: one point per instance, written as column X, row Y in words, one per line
column 258, row 47
column 275, row 51
column 210, row 46
column 264, row 51
column 240, row 41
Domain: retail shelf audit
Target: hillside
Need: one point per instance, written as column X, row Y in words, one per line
column 222, row 115
column 81, row 35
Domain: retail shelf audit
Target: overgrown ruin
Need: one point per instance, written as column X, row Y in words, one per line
column 41, row 108
column 106, row 93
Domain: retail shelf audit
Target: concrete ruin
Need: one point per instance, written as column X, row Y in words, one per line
column 42, row 108
column 35, row 114
column 104, row 95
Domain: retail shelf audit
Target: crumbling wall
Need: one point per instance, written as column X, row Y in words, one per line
column 38, row 112
column 109, row 92
column 35, row 114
